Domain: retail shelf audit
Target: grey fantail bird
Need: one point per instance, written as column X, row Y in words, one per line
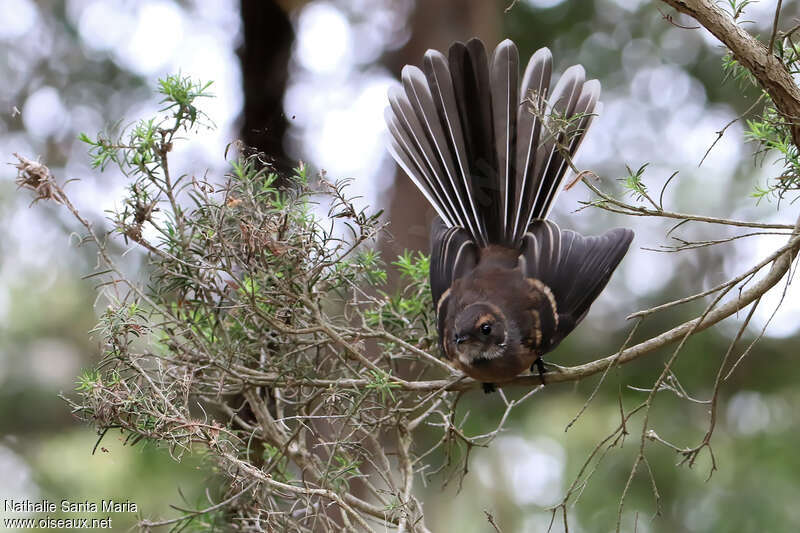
column 490, row 157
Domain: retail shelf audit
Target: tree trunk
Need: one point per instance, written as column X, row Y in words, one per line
column 264, row 56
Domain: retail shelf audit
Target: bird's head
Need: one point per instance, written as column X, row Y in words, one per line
column 480, row 334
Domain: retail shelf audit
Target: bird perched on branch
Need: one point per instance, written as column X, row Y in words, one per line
column 490, row 157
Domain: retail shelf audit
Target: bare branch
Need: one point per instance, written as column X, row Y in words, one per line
column 752, row 54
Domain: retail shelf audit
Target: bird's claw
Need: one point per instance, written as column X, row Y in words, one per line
column 539, row 364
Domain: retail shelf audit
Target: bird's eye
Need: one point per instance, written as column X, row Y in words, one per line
column 486, row 329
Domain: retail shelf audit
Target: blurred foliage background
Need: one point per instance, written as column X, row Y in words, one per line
column 307, row 80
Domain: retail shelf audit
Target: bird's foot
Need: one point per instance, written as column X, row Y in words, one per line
column 489, row 388
column 540, row 367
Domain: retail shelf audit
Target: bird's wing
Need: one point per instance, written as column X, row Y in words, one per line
column 574, row 267
column 453, row 254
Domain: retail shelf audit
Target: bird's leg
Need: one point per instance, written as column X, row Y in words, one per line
column 539, row 364
column 489, row 388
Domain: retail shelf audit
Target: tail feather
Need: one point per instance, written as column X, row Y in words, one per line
column 413, row 152
column 469, row 72
column 547, row 172
column 534, row 93
column 505, row 101
column 404, row 158
column 422, row 102
column 582, row 114
column 430, row 128
column 488, row 159
column 443, row 92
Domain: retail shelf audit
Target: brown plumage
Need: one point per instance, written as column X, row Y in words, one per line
column 489, row 156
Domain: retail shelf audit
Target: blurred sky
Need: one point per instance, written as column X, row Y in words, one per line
column 654, row 112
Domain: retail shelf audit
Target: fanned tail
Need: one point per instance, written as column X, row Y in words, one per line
column 490, row 156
